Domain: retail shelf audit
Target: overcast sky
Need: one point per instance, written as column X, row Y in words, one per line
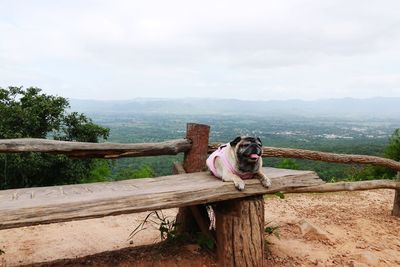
column 226, row 49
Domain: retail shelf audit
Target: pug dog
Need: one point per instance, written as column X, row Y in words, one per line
column 239, row 160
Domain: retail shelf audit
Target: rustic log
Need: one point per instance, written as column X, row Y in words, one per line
column 396, row 204
column 396, row 201
column 177, row 168
column 99, row 150
column 195, row 158
column 194, row 161
column 322, row 156
column 347, row 186
column 31, row 206
column 240, row 228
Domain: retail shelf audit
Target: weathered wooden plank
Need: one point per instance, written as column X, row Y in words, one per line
column 322, row 156
column 101, row 150
column 30, row 206
column 348, row 186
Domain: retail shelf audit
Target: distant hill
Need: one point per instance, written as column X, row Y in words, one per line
column 379, row 107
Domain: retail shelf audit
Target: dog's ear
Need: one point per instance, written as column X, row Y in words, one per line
column 259, row 140
column 236, row 141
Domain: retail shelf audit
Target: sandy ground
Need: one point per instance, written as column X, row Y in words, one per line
column 333, row 229
column 353, row 229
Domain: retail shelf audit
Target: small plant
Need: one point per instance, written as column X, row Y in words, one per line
column 332, row 179
column 167, row 228
column 205, row 241
column 280, row 195
column 273, row 230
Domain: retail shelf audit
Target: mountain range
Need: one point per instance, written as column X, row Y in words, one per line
column 378, row 107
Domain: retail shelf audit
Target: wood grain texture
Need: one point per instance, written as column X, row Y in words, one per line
column 98, row 150
column 30, row 206
column 240, row 232
column 396, row 201
column 322, row 156
column 348, row 186
column 195, row 158
column 396, row 204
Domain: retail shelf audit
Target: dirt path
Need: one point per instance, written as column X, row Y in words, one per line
column 335, row 229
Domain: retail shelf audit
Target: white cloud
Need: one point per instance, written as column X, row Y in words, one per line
column 242, row 49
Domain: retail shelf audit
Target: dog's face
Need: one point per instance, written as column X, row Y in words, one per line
column 248, row 152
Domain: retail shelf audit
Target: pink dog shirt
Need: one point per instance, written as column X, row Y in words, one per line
column 220, row 152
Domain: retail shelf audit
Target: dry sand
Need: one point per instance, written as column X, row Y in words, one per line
column 333, row 229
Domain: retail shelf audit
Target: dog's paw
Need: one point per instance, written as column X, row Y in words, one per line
column 239, row 185
column 226, row 178
column 266, row 182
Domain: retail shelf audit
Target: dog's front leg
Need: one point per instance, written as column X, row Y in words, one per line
column 265, row 180
column 237, row 181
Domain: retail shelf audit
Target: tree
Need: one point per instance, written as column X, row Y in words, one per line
column 143, row 171
column 31, row 113
column 288, row 164
column 392, row 150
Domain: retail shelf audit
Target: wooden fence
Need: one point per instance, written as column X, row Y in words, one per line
column 239, row 215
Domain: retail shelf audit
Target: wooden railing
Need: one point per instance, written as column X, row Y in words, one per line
column 322, row 156
column 94, row 150
column 191, row 187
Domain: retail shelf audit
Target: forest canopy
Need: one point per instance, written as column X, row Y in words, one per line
column 29, row 113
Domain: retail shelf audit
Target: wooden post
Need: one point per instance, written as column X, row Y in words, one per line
column 240, row 229
column 194, row 161
column 396, row 202
column 195, row 158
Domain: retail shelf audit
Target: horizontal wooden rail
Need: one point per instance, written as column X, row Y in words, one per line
column 322, row 156
column 348, row 186
column 95, row 150
column 171, row 147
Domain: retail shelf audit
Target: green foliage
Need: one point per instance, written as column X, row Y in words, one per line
column 272, row 230
column 369, row 172
column 100, row 171
column 204, row 241
column 288, row 164
column 169, row 233
column 280, row 195
column 77, row 127
column 166, row 227
column 28, row 113
column 129, row 172
column 392, row 150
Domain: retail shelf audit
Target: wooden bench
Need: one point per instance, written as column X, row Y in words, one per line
column 39, row 205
